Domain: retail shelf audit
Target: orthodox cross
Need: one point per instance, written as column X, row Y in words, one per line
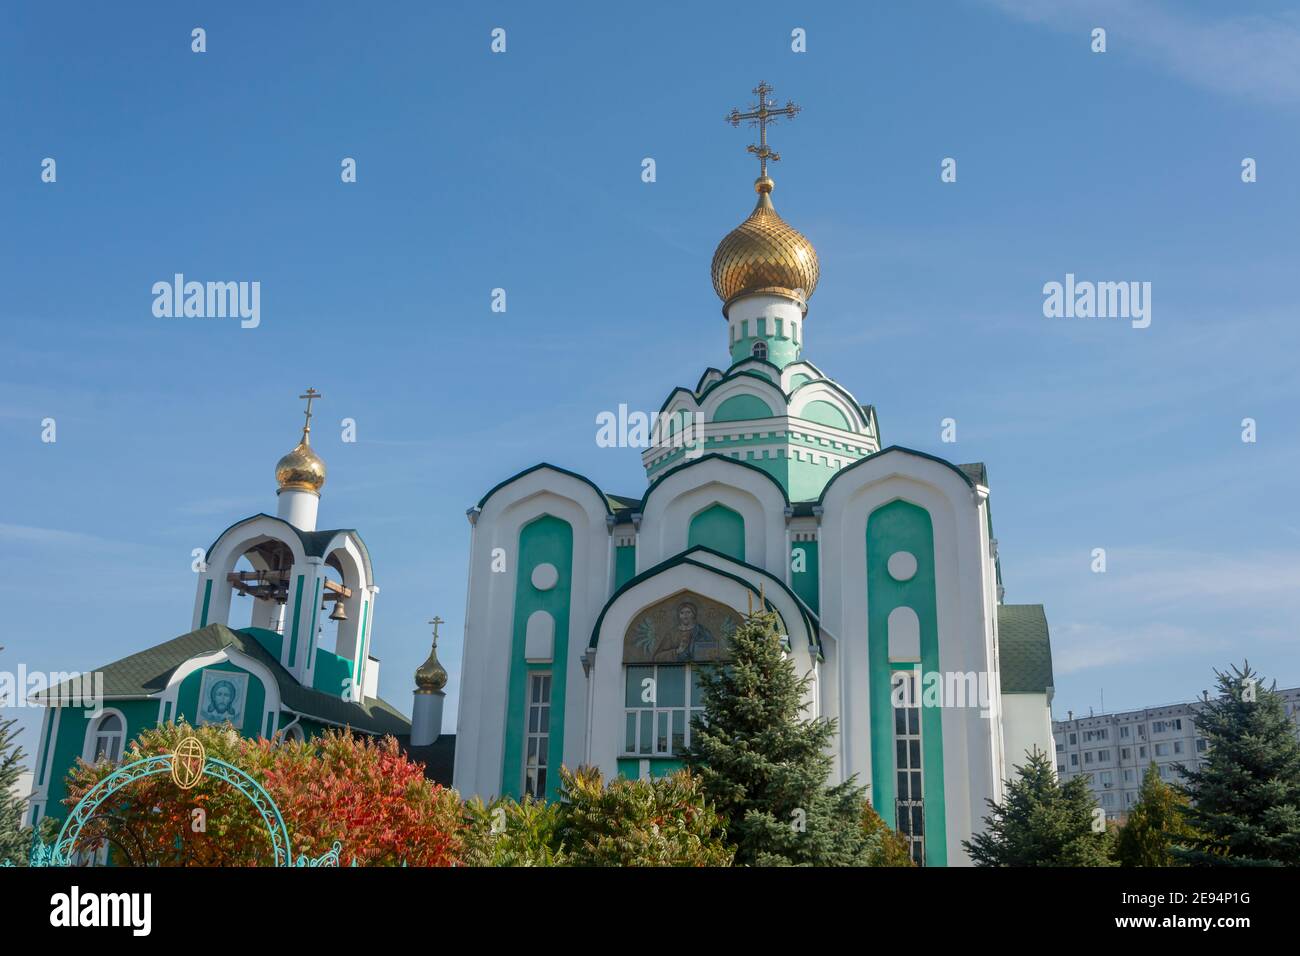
column 311, row 396
column 435, row 622
column 760, row 115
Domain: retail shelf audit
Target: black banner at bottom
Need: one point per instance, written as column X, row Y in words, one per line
column 330, row 905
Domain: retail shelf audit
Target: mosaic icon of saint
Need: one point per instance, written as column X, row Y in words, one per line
column 220, row 705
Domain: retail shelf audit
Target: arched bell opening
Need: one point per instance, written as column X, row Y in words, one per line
column 343, row 619
column 336, row 597
column 259, row 585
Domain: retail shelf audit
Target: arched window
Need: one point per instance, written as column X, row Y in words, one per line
column 107, row 739
column 294, row 733
column 760, row 350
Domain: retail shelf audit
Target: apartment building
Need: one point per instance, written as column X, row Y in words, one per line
column 1114, row 750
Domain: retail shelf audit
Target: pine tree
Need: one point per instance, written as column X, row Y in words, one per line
column 661, row 822
column 1156, row 824
column 764, row 767
column 889, row 847
column 1246, row 797
column 15, row 839
column 1042, row 822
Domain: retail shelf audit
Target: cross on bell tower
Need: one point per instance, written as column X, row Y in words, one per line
column 311, row 395
column 760, row 114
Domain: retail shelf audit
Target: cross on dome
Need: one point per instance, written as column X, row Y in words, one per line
column 311, row 395
column 760, row 114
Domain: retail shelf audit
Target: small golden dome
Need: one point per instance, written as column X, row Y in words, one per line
column 301, row 469
column 431, row 676
column 765, row 254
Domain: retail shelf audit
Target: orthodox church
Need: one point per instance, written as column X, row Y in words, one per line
column 589, row 614
column 273, row 678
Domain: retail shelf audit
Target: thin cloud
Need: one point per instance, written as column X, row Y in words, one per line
column 1083, row 646
column 1256, row 56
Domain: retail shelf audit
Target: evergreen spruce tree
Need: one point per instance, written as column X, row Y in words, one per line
column 15, row 839
column 1246, row 797
column 764, row 767
column 1156, row 824
column 1042, row 822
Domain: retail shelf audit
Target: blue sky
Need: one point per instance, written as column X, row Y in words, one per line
column 522, row 171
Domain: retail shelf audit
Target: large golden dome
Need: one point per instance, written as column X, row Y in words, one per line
column 301, row 469
column 765, row 254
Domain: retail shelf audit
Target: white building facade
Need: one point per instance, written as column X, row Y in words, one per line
column 766, row 481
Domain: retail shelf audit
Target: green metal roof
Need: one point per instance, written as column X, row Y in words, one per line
column 1026, row 649
column 146, row 674
column 622, row 503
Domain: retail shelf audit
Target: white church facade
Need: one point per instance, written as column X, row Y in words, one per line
column 765, row 481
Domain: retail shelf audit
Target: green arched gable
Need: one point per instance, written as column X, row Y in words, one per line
column 742, row 408
column 824, row 413
column 719, row 528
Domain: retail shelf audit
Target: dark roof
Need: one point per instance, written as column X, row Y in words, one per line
column 891, row 449
column 623, row 507
column 437, row 757
column 976, row 472
column 146, row 674
column 314, row 543
column 1026, row 649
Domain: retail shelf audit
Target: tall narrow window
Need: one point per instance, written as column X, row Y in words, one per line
column 538, row 734
column 760, row 350
column 910, row 800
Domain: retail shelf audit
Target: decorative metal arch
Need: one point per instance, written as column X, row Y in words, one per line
column 61, row 854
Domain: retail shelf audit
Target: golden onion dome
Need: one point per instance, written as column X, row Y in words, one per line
column 431, row 676
column 301, row 469
column 764, row 254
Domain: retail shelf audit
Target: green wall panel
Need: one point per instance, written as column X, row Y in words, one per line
column 824, row 413
column 740, row 408
column 630, row 767
column 805, row 583
column 719, row 528
column 332, row 674
column 547, row 539
column 903, row 526
column 624, row 565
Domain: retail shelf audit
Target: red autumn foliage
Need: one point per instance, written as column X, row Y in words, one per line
column 366, row 795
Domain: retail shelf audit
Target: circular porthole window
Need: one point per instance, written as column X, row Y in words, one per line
column 545, row 577
column 901, row 565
